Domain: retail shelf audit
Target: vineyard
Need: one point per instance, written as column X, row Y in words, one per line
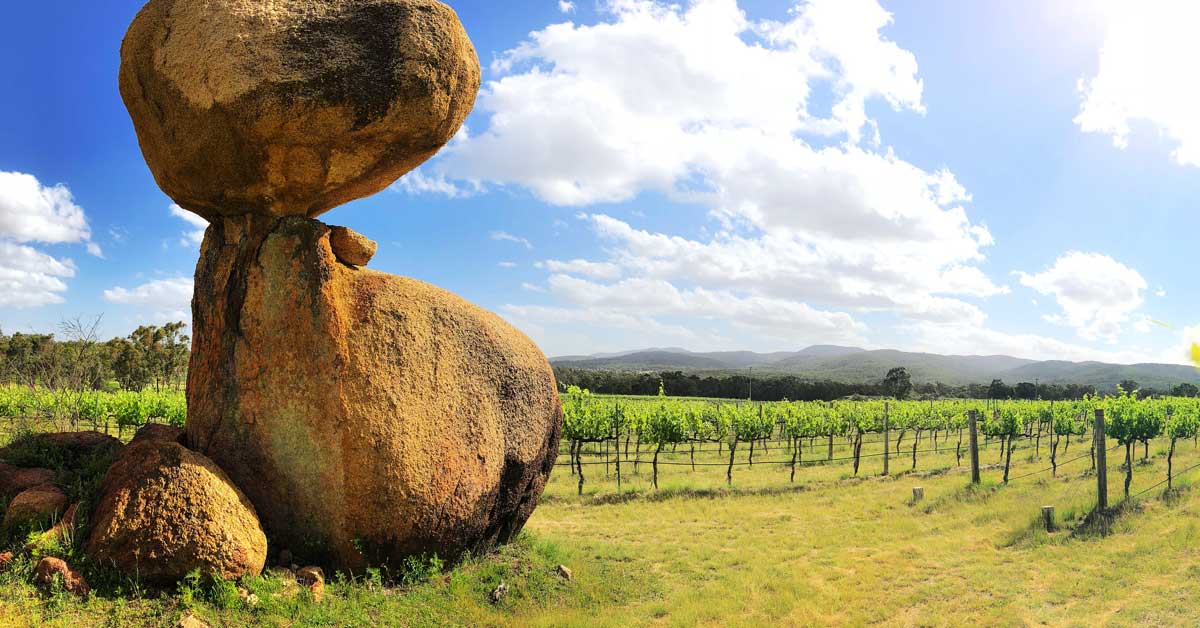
column 625, row 434
column 116, row 412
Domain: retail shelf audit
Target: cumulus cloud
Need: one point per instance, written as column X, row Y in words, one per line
column 566, row 6
column 168, row 298
column 1096, row 293
column 195, row 235
column 705, row 105
column 504, row 236
column 596, row 270
column 32, row 213
column 1145, row 74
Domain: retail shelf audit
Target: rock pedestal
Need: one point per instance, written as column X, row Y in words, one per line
column 367, row 416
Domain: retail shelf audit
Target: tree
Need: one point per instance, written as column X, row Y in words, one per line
column 1185, row 390
column 998, row 390
column 1025, row 390
column 897, row 383
column 1129, row 386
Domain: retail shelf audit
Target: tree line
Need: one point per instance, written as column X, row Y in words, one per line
column 74, row 358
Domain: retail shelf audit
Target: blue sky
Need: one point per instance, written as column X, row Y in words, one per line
column 956, row 177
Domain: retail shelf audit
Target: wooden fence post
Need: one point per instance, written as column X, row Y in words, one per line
column 918, row 493
column 1048, row 518
column 885, row 438
column 974, row 418
column 1098, row 440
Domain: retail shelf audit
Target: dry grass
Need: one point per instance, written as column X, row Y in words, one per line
column 829, row 549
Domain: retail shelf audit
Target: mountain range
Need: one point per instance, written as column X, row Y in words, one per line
column 855, row 365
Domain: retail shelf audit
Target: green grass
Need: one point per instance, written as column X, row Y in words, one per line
column 829, row 549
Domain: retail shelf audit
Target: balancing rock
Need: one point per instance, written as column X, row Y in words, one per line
column 292, row 107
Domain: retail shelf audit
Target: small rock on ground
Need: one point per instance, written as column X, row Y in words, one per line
column 48, row 569
column 313, row 579
column 499, row 592
column 564, row 572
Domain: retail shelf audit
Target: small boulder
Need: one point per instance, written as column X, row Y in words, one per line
column 34, row 506
column 159, row 433
column 13, row 480
column 50, row 569
column 165, row 510
column 313, row 579
column 351, row 247
column 564, row 572
column 6, row 559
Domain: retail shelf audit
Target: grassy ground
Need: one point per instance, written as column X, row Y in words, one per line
column 829, row 549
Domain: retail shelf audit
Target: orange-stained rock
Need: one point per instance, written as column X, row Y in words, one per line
column 351, row 247
column 50, row 569
column 164, row 510
column 13, row 480
column 292, row 107
column 313, row 579
column 359, row 410
column 34, row 506
column 6, row 559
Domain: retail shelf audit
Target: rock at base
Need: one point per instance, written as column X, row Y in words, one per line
column 13, row 480
column 34, row 507
column 368, row 417
column 313, row 579
column 165, row 510
column 50, row 569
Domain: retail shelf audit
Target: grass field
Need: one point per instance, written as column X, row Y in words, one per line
column 830, row 549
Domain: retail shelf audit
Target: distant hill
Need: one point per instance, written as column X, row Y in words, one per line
column 855, row 365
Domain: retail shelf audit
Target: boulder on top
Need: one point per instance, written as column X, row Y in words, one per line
column 292, row 107
column 389, row 417
column 13, row 480
column 33, row 507
column 351, row 247
column 164, row 510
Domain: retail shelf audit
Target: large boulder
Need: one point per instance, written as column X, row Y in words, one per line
column 164, row 510
column 292, row 107
column 367, row 416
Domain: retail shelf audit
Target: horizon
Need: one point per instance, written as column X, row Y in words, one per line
column 884, row 175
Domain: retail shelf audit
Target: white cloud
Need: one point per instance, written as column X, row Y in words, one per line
column 566, row 6
column 957, row 339
column 1097, row 294
column 1161, row 292
column 595, row 270
column 194, row 236
column 507, row 264
column 173, row 296
column 504, row 236
column 418, row 182
column 30, row 278
column 33, row 213
column 1146, row 73
column 532, row 287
